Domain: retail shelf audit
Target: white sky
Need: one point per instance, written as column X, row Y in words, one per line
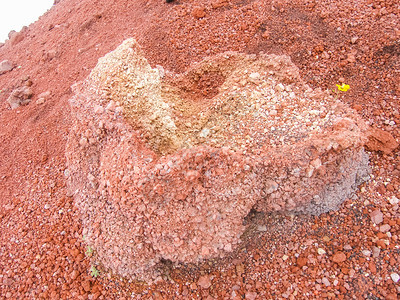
column 14, row 14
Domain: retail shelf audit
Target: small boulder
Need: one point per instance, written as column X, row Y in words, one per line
column 339, row 257
column 380, row 140
column 20, row 96
column 6, row 66
column 198, row 12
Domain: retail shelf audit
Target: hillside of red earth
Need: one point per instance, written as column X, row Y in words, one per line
column 347, row 253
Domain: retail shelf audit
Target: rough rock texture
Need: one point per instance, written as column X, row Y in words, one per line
column 6, row 66
column 20, row 96
column 162, row 172
column 380, row 140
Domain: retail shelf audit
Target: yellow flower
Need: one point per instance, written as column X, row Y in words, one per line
column 343, row 87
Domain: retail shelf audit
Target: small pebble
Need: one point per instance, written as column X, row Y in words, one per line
column 347, row 247
column 395, row 277
column 384, row 228
column 366, row 252
column 321, row 251
column 393, row 200
column 375, row 251
column 325, row 281
column 376, row 216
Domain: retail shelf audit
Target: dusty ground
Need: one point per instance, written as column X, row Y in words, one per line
column 340, row 254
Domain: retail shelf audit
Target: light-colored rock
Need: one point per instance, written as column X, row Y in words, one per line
column 384, row 228
column 162, row 190
column 40, row 101
column 43, row 97
column 376, row 216
column 6, row 66
column 393, row 200
column 375, row 251
column 251, row 295
column 325, row 281
column 395, row 277
column 366, row 252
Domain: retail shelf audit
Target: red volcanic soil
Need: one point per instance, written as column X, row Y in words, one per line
column 342, row 254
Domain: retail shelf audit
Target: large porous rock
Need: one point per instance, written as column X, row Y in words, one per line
column 167, row 166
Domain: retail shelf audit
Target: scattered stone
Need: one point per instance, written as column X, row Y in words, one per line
column 204, row 281
column 20, row 96
column 393, row 200
column 347, row 247
column 251, row 295
column 321, row 251
column 42, row 97
column 339, row 257
column 40, row 101
column 8, row 281
column 384, row 228
column 395, row 277
column 366, row 253
column 302, row 261
column 49, row 55
column 262, row 228
column 6, row 66
column 372, row 267
column 198, row 12
column 86, row 285
column 326, row 238
column 375, row 251
column 74, row 274
column 354, row 39
column 380, row 140
column 325, row 281
column 376, row 216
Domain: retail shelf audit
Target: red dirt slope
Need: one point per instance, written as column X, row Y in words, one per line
column 339, row 254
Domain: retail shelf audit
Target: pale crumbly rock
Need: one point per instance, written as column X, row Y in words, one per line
column 167, row 166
